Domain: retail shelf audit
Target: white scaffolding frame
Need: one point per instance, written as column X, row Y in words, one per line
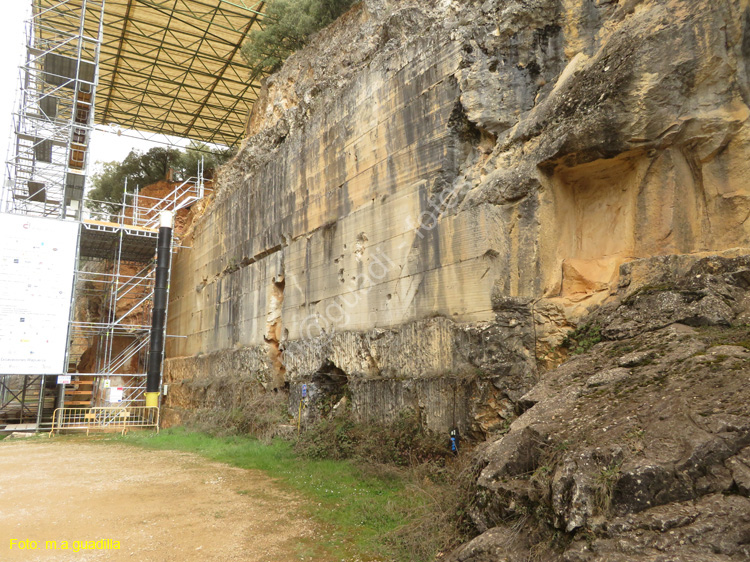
column 45, row 177
column 53, row 122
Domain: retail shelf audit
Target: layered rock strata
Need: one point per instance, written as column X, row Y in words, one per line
column 433, row 193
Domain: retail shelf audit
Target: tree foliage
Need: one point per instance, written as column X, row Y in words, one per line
column 137, row 170
column 288, row 26
column 187, row 163
column 140, row 169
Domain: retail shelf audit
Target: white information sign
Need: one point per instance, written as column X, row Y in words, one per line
column 115, row 394
column 63, row 379
column 37, row 259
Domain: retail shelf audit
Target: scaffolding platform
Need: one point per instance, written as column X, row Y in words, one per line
column 101, row 239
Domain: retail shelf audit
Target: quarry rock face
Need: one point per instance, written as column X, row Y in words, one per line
column 433, row 194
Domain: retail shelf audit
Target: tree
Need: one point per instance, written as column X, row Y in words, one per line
column 288, row 26
column 137, row 170
column 187, row 165
column 141, row 169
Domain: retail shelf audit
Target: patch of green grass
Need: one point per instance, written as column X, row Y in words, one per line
column 635, row 433
column 605, row 482
column 723, row 335
column 359, row 510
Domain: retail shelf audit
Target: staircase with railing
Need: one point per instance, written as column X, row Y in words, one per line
column 147, row 210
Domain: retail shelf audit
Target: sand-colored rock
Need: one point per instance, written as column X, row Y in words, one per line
column 502, row 166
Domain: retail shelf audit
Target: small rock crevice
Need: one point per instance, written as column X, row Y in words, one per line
column 274, row 332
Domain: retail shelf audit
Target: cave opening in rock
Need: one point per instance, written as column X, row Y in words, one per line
column 332, row 385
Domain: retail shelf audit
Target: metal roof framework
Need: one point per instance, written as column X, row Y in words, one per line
column 172, row 67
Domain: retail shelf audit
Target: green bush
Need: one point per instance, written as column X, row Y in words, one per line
column 403, row 442
column 583, row 338
column 288, row 26
column 443, row 487
column 137, row 170
column 443, row 521
column 258, row 416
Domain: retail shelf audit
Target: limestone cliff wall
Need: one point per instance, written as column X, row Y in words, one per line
column 432, row 193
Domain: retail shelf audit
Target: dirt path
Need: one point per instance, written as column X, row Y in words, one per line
column 160, row 505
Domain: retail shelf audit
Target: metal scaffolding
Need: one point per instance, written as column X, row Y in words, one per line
column 46, row 172
column 110, row 319
column 54, row 118
column 116, row 270
column 162, row 67
column 159, row 67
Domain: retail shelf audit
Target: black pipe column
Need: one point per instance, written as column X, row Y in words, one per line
column 159, row 315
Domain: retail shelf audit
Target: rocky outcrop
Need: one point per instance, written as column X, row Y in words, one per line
column 637, row 449
column 433, row 194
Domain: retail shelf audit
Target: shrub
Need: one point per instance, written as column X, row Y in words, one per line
column 259, row 417
column 442, row 522
column 288, row 26
column 403, row 442
column 441, row 488
column 583, row 338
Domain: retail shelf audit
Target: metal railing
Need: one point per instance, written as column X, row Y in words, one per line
column 144, row 212
column 126, row 355
column 147, row 214
column 105, row 419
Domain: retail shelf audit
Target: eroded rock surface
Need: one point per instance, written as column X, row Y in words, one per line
column 432, row 194
column 637, row 449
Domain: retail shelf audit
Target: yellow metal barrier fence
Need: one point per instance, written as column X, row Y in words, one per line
column 105, row 419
